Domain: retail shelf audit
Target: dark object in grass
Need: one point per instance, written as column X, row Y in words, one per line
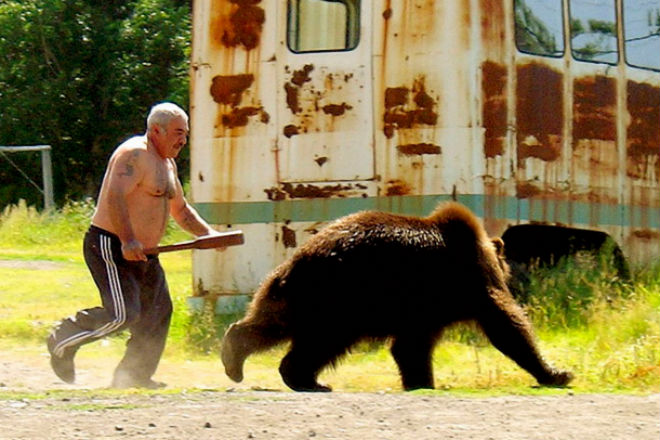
column 531, row 246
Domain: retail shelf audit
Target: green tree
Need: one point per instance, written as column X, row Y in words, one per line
column 80, row 75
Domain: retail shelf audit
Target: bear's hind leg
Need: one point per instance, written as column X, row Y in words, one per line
column 509, row 330
column 413, row 354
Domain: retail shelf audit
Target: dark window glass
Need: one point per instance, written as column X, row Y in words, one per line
column 323, row 25
column 641, row 31
column 593, row 31
column 539, row 28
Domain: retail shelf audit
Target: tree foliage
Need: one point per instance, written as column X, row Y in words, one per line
column 532, row 34
column 81, row 75
column 597, row 38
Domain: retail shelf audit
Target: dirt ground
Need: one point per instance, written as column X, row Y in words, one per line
column 218, row 410
column 221, row 412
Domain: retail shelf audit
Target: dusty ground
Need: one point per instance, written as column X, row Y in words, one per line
column 227, row 413
column 248, row 414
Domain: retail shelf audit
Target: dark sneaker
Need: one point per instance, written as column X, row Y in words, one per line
column 62, row 365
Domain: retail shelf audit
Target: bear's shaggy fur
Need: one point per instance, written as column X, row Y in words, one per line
column 385, row 276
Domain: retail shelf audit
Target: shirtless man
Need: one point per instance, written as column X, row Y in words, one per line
column 140, row 190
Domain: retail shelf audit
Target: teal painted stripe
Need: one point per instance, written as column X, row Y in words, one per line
column 303, row 210
column 503, row 207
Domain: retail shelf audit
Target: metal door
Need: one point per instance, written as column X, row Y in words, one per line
column 324, row 92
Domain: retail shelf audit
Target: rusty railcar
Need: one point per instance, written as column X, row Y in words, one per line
column 524, row 110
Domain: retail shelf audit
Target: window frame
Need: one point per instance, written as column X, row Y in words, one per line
column 617, row 24
column 625, row 46
column 353, row 8
column 559, row 54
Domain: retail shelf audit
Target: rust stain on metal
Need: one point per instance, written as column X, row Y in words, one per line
column 292, row 98
column 307, row 191
column 493, row 23
column 525, row 190
column 548, row 151
column 539, row 112
column 317, row 100
column 419, row 149
column 245, row 24
column 336, row 109
column 302, row 191
column 229, row 89
column 643, row 101
column 646, row 234
column 397, row 187
column 298, row 78
column 387, row 13
column 494, row 111
column 275, row 194
column 395, row 96
column 290, row 130
column 288, row 237
column 400, row 113
column 301, row 76
column 239, row 116
column 321, row 160
column 594, row 108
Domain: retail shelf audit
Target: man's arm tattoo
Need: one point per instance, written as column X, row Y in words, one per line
column 129, row 168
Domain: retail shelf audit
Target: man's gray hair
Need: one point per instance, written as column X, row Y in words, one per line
column 161, row 114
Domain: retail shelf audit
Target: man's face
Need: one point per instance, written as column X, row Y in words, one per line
column 172, row 139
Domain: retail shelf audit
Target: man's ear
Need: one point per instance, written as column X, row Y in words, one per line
column 499, row 245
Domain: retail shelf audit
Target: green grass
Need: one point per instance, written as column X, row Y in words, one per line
column 607, row 333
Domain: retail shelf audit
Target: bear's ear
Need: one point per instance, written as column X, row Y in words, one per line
column 499, row 246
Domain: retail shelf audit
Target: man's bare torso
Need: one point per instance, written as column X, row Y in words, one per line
column 147, row 199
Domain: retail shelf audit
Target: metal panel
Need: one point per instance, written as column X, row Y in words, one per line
column 233, row 133
column 423, row 77
column 435, row 102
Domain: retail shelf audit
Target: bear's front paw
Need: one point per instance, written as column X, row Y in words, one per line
column 234, row 374
column 315, row 388
column 557, row 379
column 232, row 360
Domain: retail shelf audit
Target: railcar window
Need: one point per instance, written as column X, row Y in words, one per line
column 539, row 28
column 641, row 31
column 593, row 31
column 323, row 25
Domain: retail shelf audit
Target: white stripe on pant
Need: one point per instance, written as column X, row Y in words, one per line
column 117, row 300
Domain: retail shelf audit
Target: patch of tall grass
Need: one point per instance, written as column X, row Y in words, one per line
column 62, row 230
column 23, row 226
column 567, row 294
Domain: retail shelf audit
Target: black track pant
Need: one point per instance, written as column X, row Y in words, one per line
column 134, row 296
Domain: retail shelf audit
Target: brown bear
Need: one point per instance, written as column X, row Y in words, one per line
column 376, row 275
